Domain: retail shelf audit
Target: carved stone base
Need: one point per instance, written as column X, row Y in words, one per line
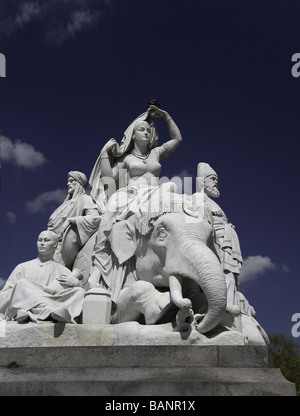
column 96, row 306
column 57, row 359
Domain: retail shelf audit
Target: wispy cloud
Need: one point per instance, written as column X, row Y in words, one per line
column 11, row 217
column 20, row 153
column 61, row 19
column 71, row 25
column 42, row 201
column 255, row 266
column 27, row 12
column 15, row 15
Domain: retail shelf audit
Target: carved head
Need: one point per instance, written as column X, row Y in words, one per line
column 207, row 178
column 128, row 138
column 47, row 243
column 141, row 133
column 77, row 182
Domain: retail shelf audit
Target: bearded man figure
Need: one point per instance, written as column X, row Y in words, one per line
column 75, row 220
column 225, row 241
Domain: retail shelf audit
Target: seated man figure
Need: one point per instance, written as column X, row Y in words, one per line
column 42, row 289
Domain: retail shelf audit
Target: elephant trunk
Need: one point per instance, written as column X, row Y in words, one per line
column 205, row 269
column 213, row 284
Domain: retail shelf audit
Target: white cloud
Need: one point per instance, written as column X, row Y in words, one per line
column 15, row 14
column 80, row 19
column 77, row 21
column 255, row 266
column 61, row 19
column 27, row 12
column 11, row 217
column 285, row 268
column 41, row 202
column 21, row 153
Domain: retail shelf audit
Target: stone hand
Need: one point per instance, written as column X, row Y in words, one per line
column 109, row 146
column 94, row 277
column 71, row 220
column 156, row 112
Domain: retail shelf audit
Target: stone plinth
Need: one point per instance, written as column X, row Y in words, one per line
column 57, row 359
column 96, row 306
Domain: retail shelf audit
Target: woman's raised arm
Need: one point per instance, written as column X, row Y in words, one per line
column 175, row 135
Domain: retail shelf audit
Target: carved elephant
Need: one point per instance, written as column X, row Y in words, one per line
column 175, row 251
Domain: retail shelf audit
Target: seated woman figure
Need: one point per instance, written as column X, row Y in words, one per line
column 136, row 166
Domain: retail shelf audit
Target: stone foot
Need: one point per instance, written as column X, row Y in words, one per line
column 22, row 316
column 61, row 315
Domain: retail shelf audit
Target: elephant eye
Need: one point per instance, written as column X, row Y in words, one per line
column 161, row 233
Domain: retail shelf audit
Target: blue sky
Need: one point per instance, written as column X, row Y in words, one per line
column 79, row 71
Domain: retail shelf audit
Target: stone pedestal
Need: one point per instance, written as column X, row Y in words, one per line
column 128, row 360
column 96, row 307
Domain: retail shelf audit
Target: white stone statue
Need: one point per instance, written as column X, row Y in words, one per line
column 150, row 254
column 225, row 239
column 133, row 251
column 136, row 166
column 42, row 289
column 173, row 264
column 75, row 220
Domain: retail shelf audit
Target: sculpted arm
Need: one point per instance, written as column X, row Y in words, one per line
column 174, row 132
column 107, row 170
column 86, row 218
column 15, row 275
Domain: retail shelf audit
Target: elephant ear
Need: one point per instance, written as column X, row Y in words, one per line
column 122, row 240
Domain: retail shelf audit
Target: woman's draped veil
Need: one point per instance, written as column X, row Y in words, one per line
column 115, row 152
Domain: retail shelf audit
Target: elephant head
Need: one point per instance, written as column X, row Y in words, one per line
column 175, row 249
